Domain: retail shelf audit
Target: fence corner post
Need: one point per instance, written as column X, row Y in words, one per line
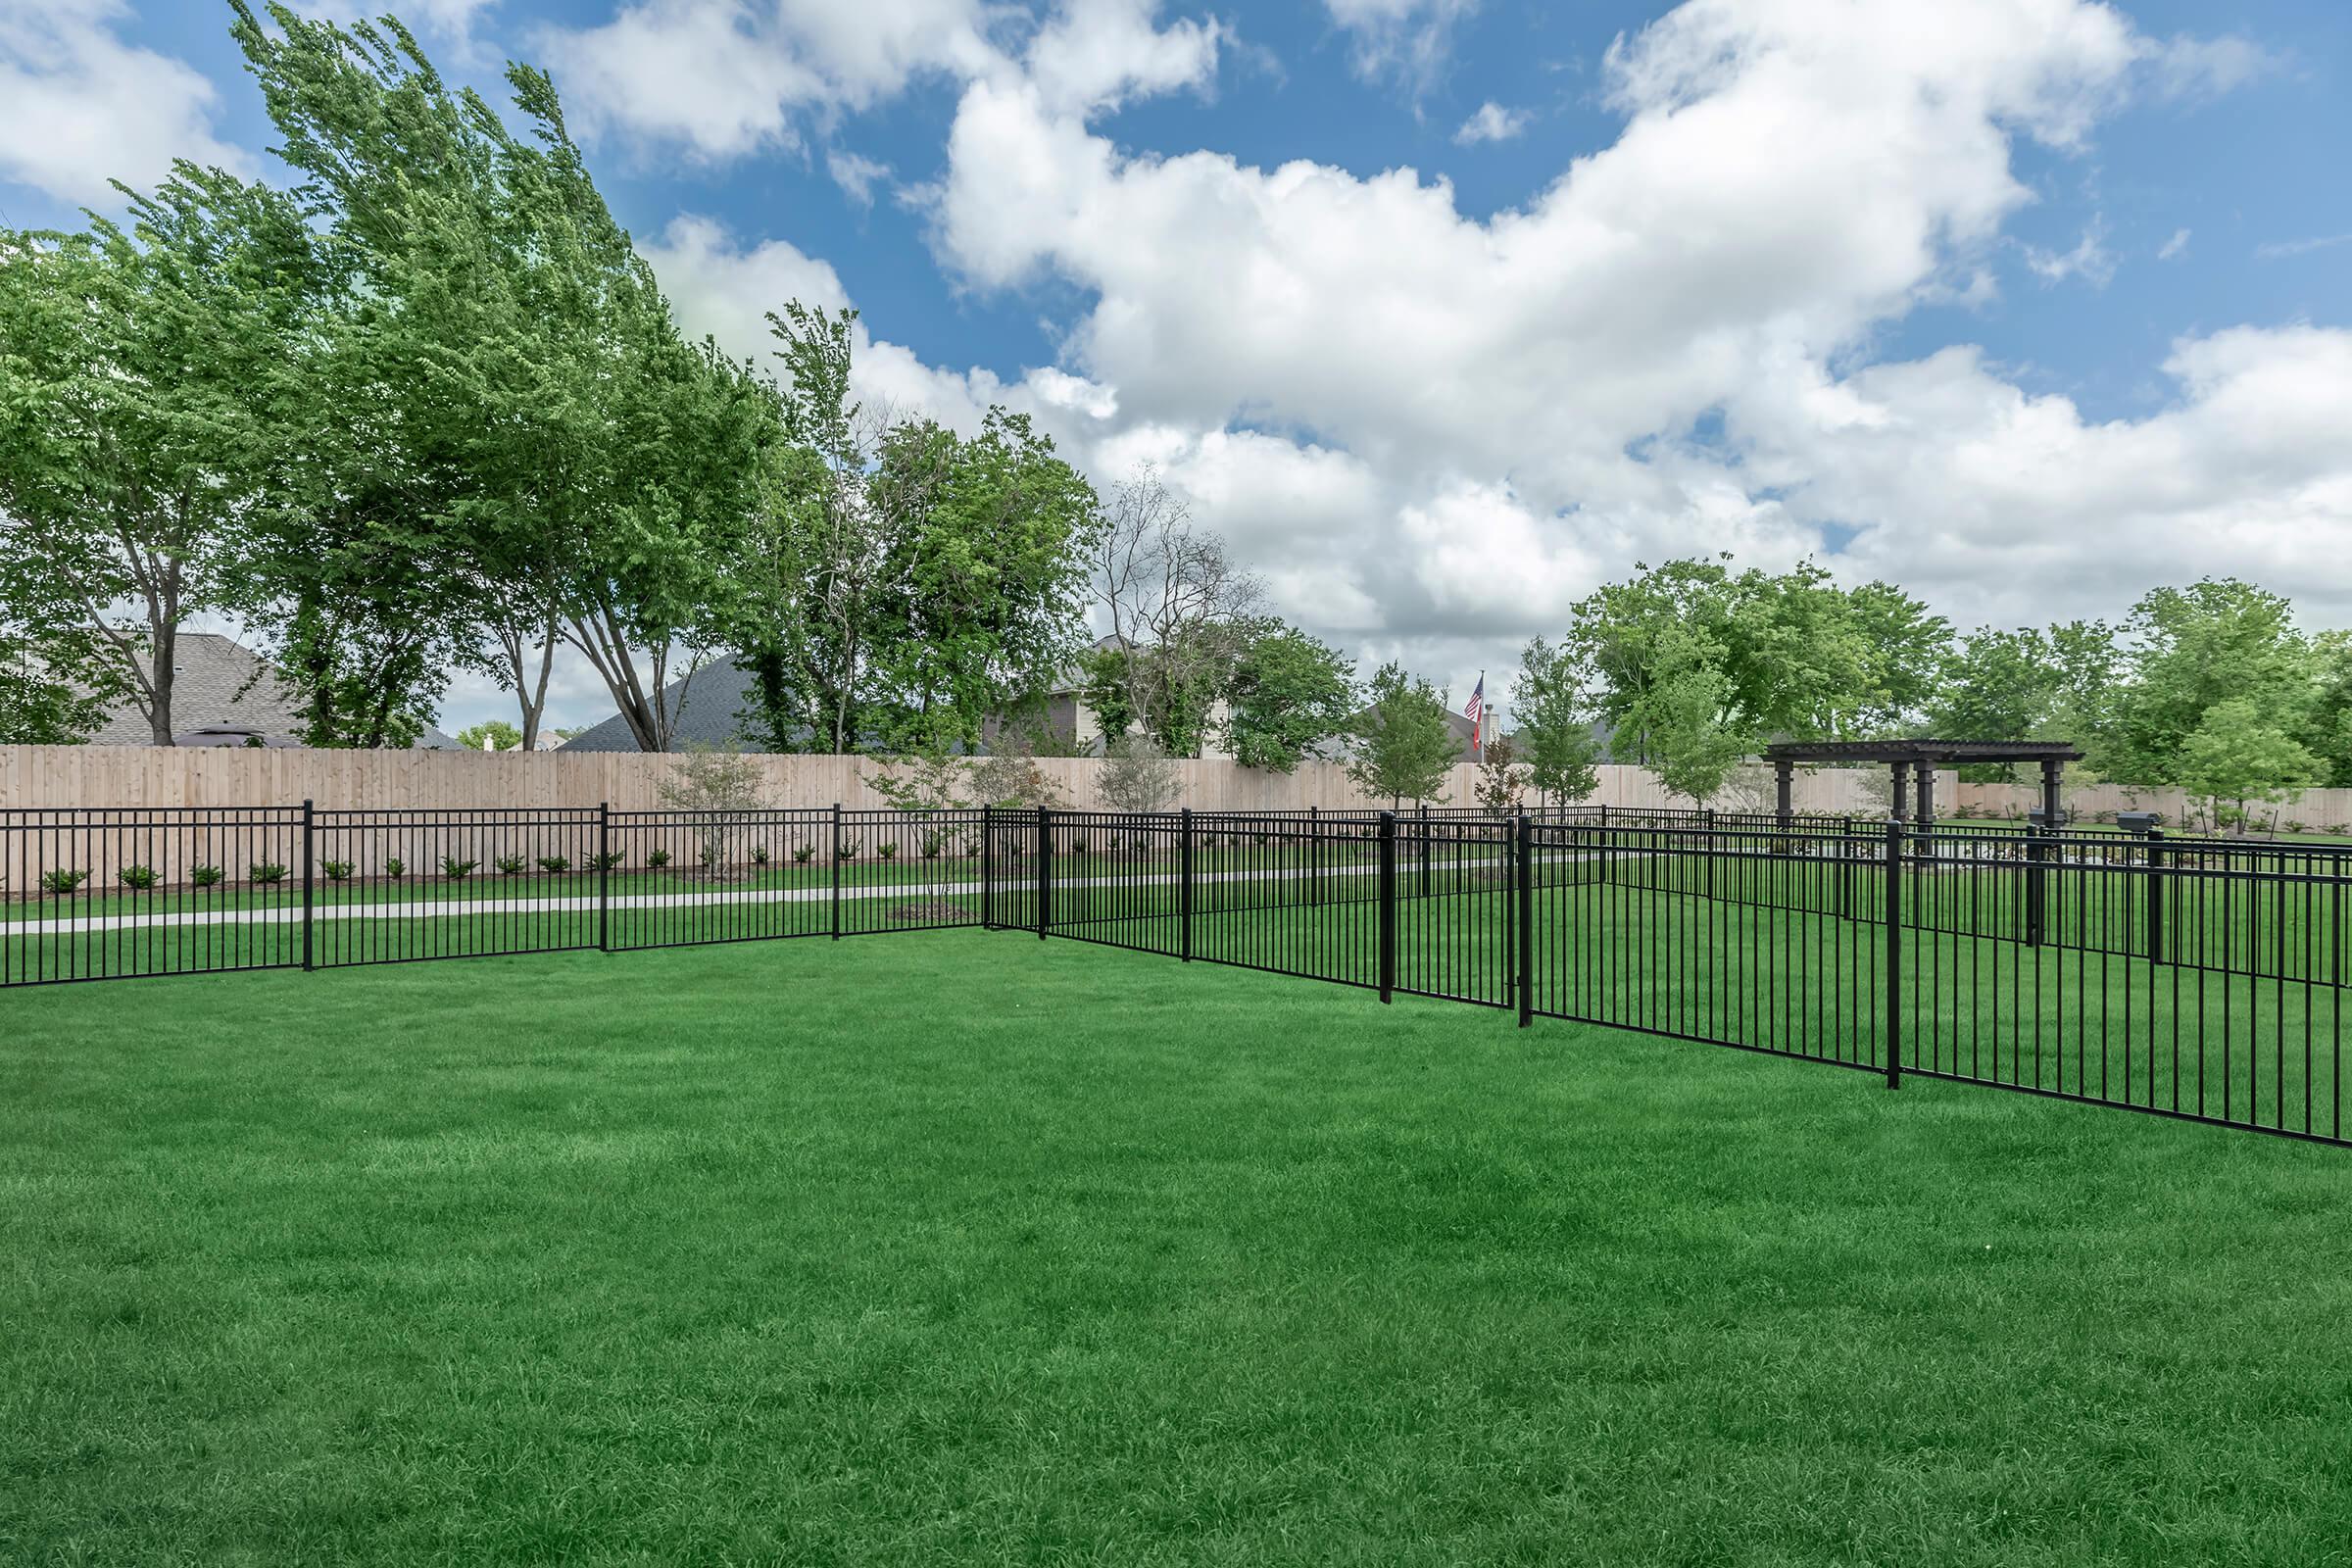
column 1527, row 919
column 837, row 870
column 2154, row 881
column 1045, row 868
column 1894, row 953
column 1388, row 905
column 603, row 877
column 1184, row 879
column 310, row 836
column 988, row 867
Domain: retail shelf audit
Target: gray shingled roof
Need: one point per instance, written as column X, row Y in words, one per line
column 222, row 685
column 714, row 697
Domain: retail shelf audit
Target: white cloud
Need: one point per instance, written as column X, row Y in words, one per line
column 855, row 175
column 1492, row 122
column 2089, row 259
column 727, row 78
column 2173, row 247
column 2284, row 249
column 2203, row 69
column 78, row 107
column 1408, row 39
column 452, row 19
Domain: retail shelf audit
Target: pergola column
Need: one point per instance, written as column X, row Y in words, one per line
column 1901, row 808
column 2051, row 770
column 1783, row 783
column 1925, row 816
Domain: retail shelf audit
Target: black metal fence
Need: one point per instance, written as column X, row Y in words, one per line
column 2193, row 977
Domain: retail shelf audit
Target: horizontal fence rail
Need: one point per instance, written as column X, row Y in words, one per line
column 2193, row 977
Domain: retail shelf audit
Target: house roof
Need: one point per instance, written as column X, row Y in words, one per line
column 219, row 685
column 708, row 708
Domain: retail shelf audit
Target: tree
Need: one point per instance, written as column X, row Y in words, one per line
column 491, row 735
column 1788, row 655
column 721, row 790
column 1137, row 776
column 1013, row 778
column 128, row 429
column 1562, row 754
column 906, row 584
column 2328, row 725
column 1289, row 694
column 2215, row 641
column 1680, row 715
column 1405, row 741
column 1903, row 648
column 2238, row 753
column 37, row 706
column 1183, row 617
column 1501, row 779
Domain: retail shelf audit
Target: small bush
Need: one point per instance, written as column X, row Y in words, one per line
column 137, row 878
column 758, row 855
column 1078, row 845
column 395, row 870
column 511, row 864
column 62, row 882
column 848, row 849
column 336, row 870
column 932, row 843
column 457, row 871
column 610, row 860
column 266, row 872
column 888, row 852
column 803, row 854
column 555, row 865
column 658, row 858
column 205, row 876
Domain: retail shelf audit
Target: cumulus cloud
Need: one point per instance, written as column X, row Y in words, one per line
column 1433, row 432
column 726, row 77
column 1492, row 122
column 78, row 107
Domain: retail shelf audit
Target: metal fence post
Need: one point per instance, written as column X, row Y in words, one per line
column 1527, row 921
column 1388, row 905
column 603, row 877
column 988, row 868
column 2154, row 884
column 1314, row 850
column 837, row 870
column 1045, row 870
column 1894, row 953
column 309, row 845
column 1426, row 845
column 1184, row 879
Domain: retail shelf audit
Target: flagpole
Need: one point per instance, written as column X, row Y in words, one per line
column 1478, row 734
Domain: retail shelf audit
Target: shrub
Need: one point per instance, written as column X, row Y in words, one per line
column 204, row 876
column 804, row 852
column 137, row 878
column 395, row 870
column 887, row 851
column 62, row 882
column 758, row 855
column 266, row 872
column 336, row 870
column 555, row 865
column 608, row 861
column 848, row 849
column 1078, row 845
column 658, row 858
column 933, row 841
column 457, row 871
column 511, row 864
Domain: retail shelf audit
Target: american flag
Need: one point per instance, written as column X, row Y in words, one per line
column 1475, row 709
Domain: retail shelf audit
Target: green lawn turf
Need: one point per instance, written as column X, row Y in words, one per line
column 959, row 1248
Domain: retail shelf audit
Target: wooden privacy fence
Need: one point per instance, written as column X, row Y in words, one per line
column 78, row 777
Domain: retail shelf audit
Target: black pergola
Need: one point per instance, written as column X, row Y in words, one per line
column 1922, row 756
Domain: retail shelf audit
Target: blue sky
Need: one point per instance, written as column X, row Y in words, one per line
column 1446, row 310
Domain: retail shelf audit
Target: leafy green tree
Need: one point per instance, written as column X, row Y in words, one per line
column 1680, row 716
column 38, row 707
column 1502, row 778
column 2328, row 725
column 1405, row 741
column 1903, row 648
column 129, row 435
column 906, row 584
column 1788, row 654
column 1291, row 694
column 1137, row 776
column 2215, row 641
column 491, row 735
column 2238, row 753
column 1554, row 730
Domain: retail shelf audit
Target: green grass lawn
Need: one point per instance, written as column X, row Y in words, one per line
column 960, row 1249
